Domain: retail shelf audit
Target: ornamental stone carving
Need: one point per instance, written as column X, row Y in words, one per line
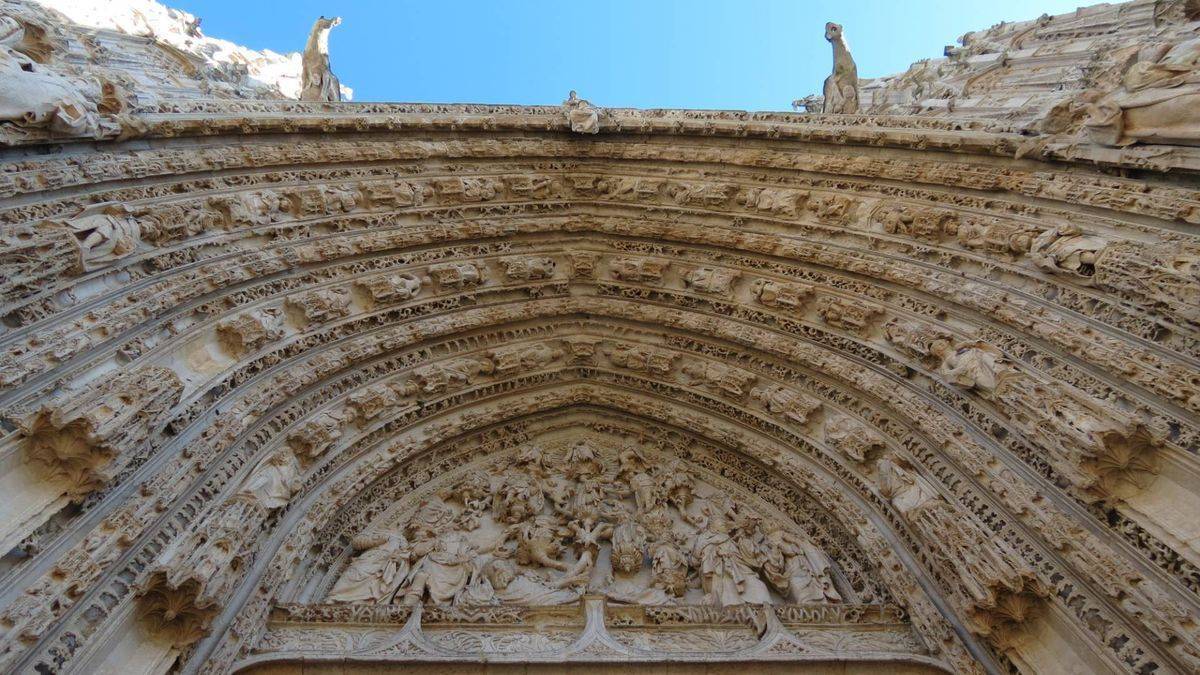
column 582, row 117
column 317, row 81
column 392, row 287
column 841, row 88
column 37, row 96
column 288, row 381
column 84, row 438
column 1156, row 100
column 251, row 330
column 987, row 575
column 621, row 523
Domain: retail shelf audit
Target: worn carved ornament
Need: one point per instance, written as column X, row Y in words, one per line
column 909, row 384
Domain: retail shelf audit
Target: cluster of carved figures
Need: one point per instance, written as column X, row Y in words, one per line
column 545, row 528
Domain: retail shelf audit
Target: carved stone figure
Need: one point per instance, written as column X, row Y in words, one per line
column 628, row 546
column 392, row 287
column 670, row 568
column 1067, row 250
column 638, row 269
column 796, row 567
column 924, row 341
column 852, row 438
column 457, row 275
column 377, row 572
column 583, row 117
column 250, row 330
column 791, row 405
column 841, row 88
column 274, row 481
column 781, row 293
column 321, row 305
column 727, row 575
column 712, row 280
column 519, row 497
column 1157, row 99
column 105, row 233
column 35, row 96
column 529, row 268
column 317, row 435
column 643, row 358
column 317, row 81
column 443, row 570
column 974, row 365
column 539, row 541
column 1007, row 238
column 525, row 359
column 524, row 588
column 439, row 378
column 846, row 314
column 732, row 381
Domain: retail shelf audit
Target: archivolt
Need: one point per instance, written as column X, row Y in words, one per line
column 376, row 292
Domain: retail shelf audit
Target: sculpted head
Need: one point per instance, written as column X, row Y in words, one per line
column 501, row 573
column 833, row 31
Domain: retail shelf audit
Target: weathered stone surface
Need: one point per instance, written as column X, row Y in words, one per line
column 294, row 381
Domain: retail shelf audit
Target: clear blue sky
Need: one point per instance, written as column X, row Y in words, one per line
column 737, row 54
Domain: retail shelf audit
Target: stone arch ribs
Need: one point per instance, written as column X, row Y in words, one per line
column 962, row 343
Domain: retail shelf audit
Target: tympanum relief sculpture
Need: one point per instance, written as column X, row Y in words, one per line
column 545, row 528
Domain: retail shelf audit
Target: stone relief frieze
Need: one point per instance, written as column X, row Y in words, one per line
column 620, row 523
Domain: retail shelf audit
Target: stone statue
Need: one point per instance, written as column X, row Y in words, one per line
column 35, row 96
column 317, row 81
column 524, row 588
column 1158, row 100
column 274, row 481
column 1067, row 250
column 841, row 87
column 377, row 572
column 974, row 365
column 443, row 571
column 797, row 568
column 583, row 117
column 105, row 233
column 727, row 577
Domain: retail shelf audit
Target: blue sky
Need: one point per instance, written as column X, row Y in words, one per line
column 736, row 54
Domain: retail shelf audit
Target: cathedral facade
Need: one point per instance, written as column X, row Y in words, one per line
column 904, row 381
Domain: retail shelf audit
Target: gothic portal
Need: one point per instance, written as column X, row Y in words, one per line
column 906, row 382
